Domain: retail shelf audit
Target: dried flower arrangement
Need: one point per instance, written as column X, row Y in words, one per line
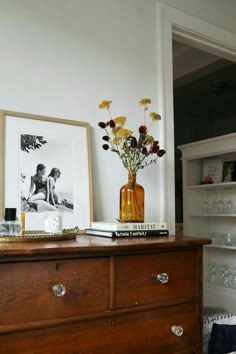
column 135, row 153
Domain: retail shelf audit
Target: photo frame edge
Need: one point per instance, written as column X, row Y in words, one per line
column 90, row 173
column 2, row 137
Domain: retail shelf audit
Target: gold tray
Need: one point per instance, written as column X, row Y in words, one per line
column 38, row 235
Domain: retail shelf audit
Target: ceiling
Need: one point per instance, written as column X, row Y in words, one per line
column 191, row 64
column 208, row 92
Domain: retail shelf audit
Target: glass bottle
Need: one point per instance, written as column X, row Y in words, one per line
column 10, row 225
column 132, row 201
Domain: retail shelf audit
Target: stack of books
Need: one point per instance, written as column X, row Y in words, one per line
column 119, row 229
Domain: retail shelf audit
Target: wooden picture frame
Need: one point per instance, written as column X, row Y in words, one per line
column 29, row 140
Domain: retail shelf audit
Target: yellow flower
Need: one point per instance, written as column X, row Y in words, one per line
column 145, row 101
column 115, row 130
column 104, row 104
column 149, row 140
column 124, row 133
column 155, row 116
column 116, row 140
column 120, row 120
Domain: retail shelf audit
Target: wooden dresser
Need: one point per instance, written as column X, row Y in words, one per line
column 98, row 295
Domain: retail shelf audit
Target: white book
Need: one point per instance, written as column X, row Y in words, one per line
column 127, row 226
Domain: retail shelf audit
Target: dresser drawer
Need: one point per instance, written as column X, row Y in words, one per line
column 147, row 332
column 139, row 278
column 28, row 291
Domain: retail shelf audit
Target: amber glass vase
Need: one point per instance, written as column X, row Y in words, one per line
column 132, row 201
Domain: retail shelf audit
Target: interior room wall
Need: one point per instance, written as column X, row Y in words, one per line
column 62, row 57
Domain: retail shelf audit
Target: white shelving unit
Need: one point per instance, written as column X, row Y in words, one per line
column 218, row 256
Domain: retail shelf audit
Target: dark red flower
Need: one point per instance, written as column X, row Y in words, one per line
column 102, row 125
column 155, row 149
column 106, row 138
column 161, row 153
column 134, row 142
column 142, row 129
column 112, row 123
column 105, row 146
column 144, row 151
column 156, row 142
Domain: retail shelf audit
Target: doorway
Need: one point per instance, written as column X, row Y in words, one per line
column 204, row 87
column 175, row 24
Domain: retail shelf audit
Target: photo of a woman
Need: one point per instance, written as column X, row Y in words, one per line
column 39, row 187
column 52, row 196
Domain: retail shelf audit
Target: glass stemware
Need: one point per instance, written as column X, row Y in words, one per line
column 233, row 282
column 205, row 206
column 229, row 206
column 212, row 276
column 228, row 239
column 226, row 279
column 214, row 207
column 220, row 205
column 221, row 274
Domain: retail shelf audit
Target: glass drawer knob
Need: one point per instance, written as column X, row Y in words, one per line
column 163, row 278
column 59, row 290
column 177, row 330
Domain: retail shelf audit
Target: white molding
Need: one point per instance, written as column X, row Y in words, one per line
column 192, row 30
column 209, row 147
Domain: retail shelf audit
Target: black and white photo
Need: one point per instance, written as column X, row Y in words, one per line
column 46, row 166
column 46, row 173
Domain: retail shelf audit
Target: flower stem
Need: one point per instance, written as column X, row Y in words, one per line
column 109, row 112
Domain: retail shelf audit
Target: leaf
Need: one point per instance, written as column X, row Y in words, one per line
column 31, row 142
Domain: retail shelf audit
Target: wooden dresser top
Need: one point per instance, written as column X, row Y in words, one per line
column 91, row 246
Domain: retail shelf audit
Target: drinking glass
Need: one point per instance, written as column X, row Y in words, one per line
column 205, row 206
column 220, row 205
column 229, row 205
column 214, row 207
column 233, row 282
column 214, row 238
column 221, row 274
column 226, row 279
column 228, row 239
column 212, row 274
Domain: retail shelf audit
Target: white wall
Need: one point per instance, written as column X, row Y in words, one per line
column 217, row 12
column 62, row 57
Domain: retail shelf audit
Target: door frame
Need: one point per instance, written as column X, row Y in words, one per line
column 175, row 24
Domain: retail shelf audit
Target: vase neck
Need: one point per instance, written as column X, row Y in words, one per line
column 132, row 177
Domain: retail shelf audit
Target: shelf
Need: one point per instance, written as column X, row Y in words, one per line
column 212, row 215
column 221, row 246
column 226, row 185
column 220, row 288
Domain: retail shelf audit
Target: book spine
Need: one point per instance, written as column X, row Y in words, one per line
column 141, row 227
column 142, row 233
column 129, row 226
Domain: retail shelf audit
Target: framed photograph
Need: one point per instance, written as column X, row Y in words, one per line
column 229, row 171
column 212, row 168
column 45, row 166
